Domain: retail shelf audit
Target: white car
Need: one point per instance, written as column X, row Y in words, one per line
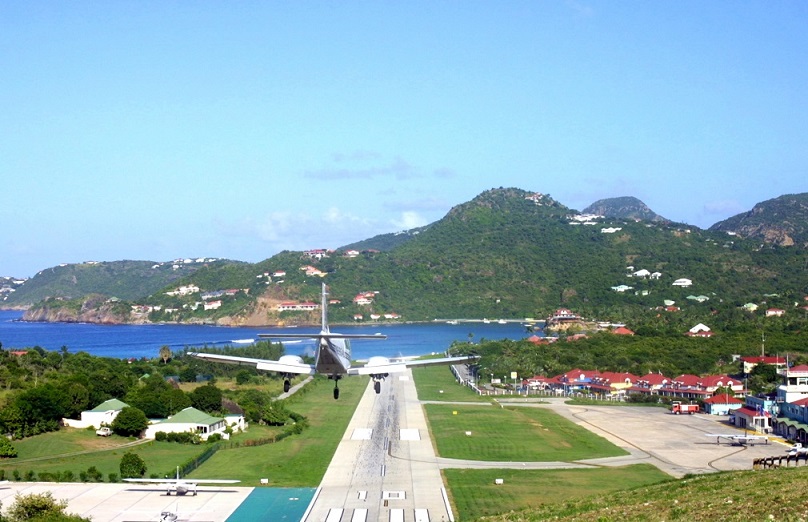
column 797, row 449
column 104, row 432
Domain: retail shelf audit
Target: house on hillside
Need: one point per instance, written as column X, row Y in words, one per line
column 101, row 415
column 622, row 330
column 683, row 282
column 700, row 330
column 750, row 362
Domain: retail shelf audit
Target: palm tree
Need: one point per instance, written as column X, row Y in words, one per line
column 165, row 353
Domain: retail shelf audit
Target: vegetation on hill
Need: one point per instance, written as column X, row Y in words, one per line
column 125, row 280
column 506, row 253
column 625, row 207
column 782, row 221
column 776, row 494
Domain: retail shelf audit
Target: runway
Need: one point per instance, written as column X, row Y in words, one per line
column 385, row 467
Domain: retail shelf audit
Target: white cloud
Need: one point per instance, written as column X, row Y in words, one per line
column 410, row 219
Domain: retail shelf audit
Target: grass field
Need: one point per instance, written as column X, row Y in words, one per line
column 301, row 460
column 297, row 461
column 436, row 383
column 512, row 434
column 475, row 494
column 66, row 450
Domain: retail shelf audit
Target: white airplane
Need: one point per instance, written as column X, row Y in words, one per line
column 180, row 486
column 332, row 357
column 737, row 439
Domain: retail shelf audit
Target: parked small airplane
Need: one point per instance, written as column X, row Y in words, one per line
column 737, row 439
column 179, row 485
column 332, row 357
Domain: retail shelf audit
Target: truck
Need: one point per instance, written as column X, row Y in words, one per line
column 104, row 431
column 678, row 407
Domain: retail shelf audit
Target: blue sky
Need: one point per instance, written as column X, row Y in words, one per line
column 159, row 130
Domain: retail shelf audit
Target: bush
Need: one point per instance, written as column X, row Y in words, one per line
column 132, row 465
column 6, row 449
column 130, row 421
column 40, row 507
column 112, row 477
column 160, row 436
column 94, row 475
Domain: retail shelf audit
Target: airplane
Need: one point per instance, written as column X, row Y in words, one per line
column 332, row 357
column 737, row 439
column 180, row 486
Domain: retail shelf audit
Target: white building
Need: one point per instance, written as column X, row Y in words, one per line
column 190, row 420
column 101, row 415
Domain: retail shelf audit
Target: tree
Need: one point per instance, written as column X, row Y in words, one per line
column 130, row 421
column 132, row 465
column 165, row 353
column 207, row 398
column 6, row 449
column 40, row 507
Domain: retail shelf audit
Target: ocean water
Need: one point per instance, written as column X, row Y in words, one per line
column 125, row 341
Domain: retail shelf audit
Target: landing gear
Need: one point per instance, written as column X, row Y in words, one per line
column 286, row 385
column 336, row 385
column 377, row 381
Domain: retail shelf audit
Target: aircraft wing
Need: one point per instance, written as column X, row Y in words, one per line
column 180, row 481
column 287, row 364
column 323, row 335
column 378, row 365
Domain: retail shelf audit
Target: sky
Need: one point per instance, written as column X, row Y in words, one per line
column 156, row 130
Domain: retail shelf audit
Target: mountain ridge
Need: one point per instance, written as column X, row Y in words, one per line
column 505, row 253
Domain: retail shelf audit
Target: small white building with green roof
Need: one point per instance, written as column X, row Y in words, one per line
column 189, row 420
column 101, row 415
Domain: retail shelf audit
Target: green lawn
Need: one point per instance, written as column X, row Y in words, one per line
column 301, row 460
column 512, row 434
column 437, row 383
column 160, row 457
column 475, row 494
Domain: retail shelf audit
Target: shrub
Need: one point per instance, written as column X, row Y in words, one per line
column 6, row 449
column 94, row 475
column 132, row 465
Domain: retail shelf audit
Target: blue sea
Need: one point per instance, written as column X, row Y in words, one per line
column 126, row 341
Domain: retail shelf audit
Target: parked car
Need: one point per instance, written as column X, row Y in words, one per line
column 104, row 432
column 797, row 449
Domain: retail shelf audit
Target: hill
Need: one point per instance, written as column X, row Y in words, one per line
column 125, row 280
column 781, row 221
column 507, row 253
column 776, row 494
column 626, row 207
column 385, row 242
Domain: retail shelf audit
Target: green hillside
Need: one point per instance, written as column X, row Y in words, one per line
column 782, row 221
column 507, row 253
column 777, row 494
column 126, row 280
